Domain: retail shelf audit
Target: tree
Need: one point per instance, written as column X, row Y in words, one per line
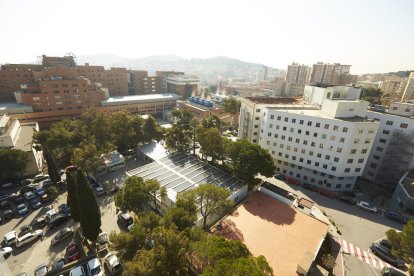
column 90, row 215
column 167, row 257
column 211, row 200
column 127, row 244
column 211, row 121
column 87, row 157
column 211, row 142
column 178, row 216
column 371, row 95
column 403, row 242
column 248, row 159
column 232, row 106
column 152, row 130
column 51, row 166
column 12, row 163
column 239, row 267
column 152, row 186
column 72, row 199
column 133, row 195
column 123, row 126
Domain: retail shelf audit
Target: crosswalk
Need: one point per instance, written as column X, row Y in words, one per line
column 362, row 255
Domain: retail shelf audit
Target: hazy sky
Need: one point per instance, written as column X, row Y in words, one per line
column 371, row 35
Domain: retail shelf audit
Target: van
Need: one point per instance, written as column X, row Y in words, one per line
column 29, row 237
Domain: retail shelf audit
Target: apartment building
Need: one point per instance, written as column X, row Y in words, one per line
column 136, row 81
column 316, row 95
column 276, row 84
column 60, row 88
column 331, row 74
column 12, row 76
column 409, row 89
column 392, row 90
column 163, row 76
column 183, row 85
column 327, row 147
column 393, row 151
column 297, row 76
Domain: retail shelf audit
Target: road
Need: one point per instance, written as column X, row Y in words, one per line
column 356, row 226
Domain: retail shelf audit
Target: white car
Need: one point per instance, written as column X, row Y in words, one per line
column 29, row 195
column 50, row 214
column 94, row 267
column 6, row 251
column 10, row 238
column 22, row 209
column 103, row 238
column 365, row 206
column 77, row 271
column 29, row 237
column 113, row 264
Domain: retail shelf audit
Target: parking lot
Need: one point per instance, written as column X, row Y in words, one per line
column 29, row 256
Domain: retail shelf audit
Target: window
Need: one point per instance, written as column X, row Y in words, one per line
column 364, row 150
column 315, row 134
column 319, row 155
column 338, row 186
column 257, row 118
column 403, row 125
column 379, row 149
column 292, row 129
column 370, row 131
column 283, row 137
column 274, row 144
column 317, row 164
column 284, row 128
column 385, row 131
column 293, row 121
column 383, row 140
column 286, row 155
column 254, row 133
column 370, row 173
column 256, row 126
column 281, row 146
column 268, row 142
column 276, row 135
column 270, row 134
column 286, row 119
column 303, row 151
column 306, row 132
column 297, row 140
column 295, row 149
column 279, row 118
column 361, row 160
column 360, row 131
column 376, row 157
column 299, row 131
column 327, row 157
column 353, row 151
column 335, row 128
column 257, row 110
column 280, row 154
column 321, row 146
column 311, row 153
column 300, row 159
column 326, row 126
column 339, row 150
column 341, row 140
column 333, row 137
column 309, row 123
column 313, row 144
column 325, row 166
column 356, row 141
column 333, row 168
column 345, row 129
column 277, row 127
column 305, row 142
column 290, row 139
column 373, row 165
column 272, row 116
column 347, row 169
column 350, row 161
column 314, row 172
column 308, row 162
column 36, row 98
column 336, row 159
column 318, row 124
column 301, row 122
column 293, row 157
column 357, row 169
column 312, row 179
column 389, row 123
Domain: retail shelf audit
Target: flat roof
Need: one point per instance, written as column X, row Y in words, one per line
column 277, row 190
column 267, row 100
column 287, row 238
column 14, row 108
column 408, row 183
column 154, row 150
column 25, row 140
column 140, row 99
column 179, row 172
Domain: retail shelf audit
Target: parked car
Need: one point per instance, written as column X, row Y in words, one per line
column 389, row 271
column 41, row 270
column 308, row 186
column 112, row 264
column 58, row 264
column 5, row 205
column 35, row 204
column 8, row 185
column 40, row 177
column 25, row 181
column 280, row 176
column 5, row 197
column 58, row 220
column 125, row 219
column 386, row 244
column 25, row 229
column 63, row 234
column 39, row 190
column 99, row 190
column 292, row 181
column 64, row 209
column 385, row 254
column 26, row 189
column 29, row 195
column 39, row 223
column 8, row 214
column 18, row 199
column 395, row 217
column 22, row 209
column 348, row 193
column 77, row 271
column 365, row 206
column 45, row 198
column 327, row 193
column 10, row 238
column 22, row 274
column 347, row 199
column 6, row 251
column 103, row 239
column 72, row 252
column 29, row 237
column 94, row 267
column 47, row 183
column 50, row 214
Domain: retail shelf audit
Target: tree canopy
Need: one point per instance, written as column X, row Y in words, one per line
column 72, row 198
column 13, row 162
column 403, row 242
column 232, row 106
column 372, row 95
column 211, row 142
column 180, row 136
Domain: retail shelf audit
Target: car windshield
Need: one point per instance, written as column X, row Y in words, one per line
column 41, row 270
column 21, row 207
column 95, row 270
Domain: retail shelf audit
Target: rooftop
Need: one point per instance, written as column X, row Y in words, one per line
column 180, row 172
column 140, row 99
column 153, row 150
column 25, row 140
column 279, row 191
column 13, row 108
column 287, row 238
column 266, row 100
column 408, row 183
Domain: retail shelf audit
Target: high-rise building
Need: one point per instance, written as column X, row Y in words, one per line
column 393, row 151
column 183, row 85
column 326, row 146
column 136, row 81
column 331, row 74
column 392, row 90
column 296, row 77
column 409, row 89
column 163, row 77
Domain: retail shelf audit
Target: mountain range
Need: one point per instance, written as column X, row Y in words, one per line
column 207, row 69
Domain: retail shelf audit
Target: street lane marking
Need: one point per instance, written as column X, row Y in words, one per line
column 358, row 252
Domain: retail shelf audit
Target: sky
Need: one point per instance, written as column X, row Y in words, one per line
column 373, row 36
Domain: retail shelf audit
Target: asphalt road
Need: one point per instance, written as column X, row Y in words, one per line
column 356, row 226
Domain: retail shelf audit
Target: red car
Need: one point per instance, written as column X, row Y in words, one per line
column 72, row 253
column 327, row 193
column 292, row 181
